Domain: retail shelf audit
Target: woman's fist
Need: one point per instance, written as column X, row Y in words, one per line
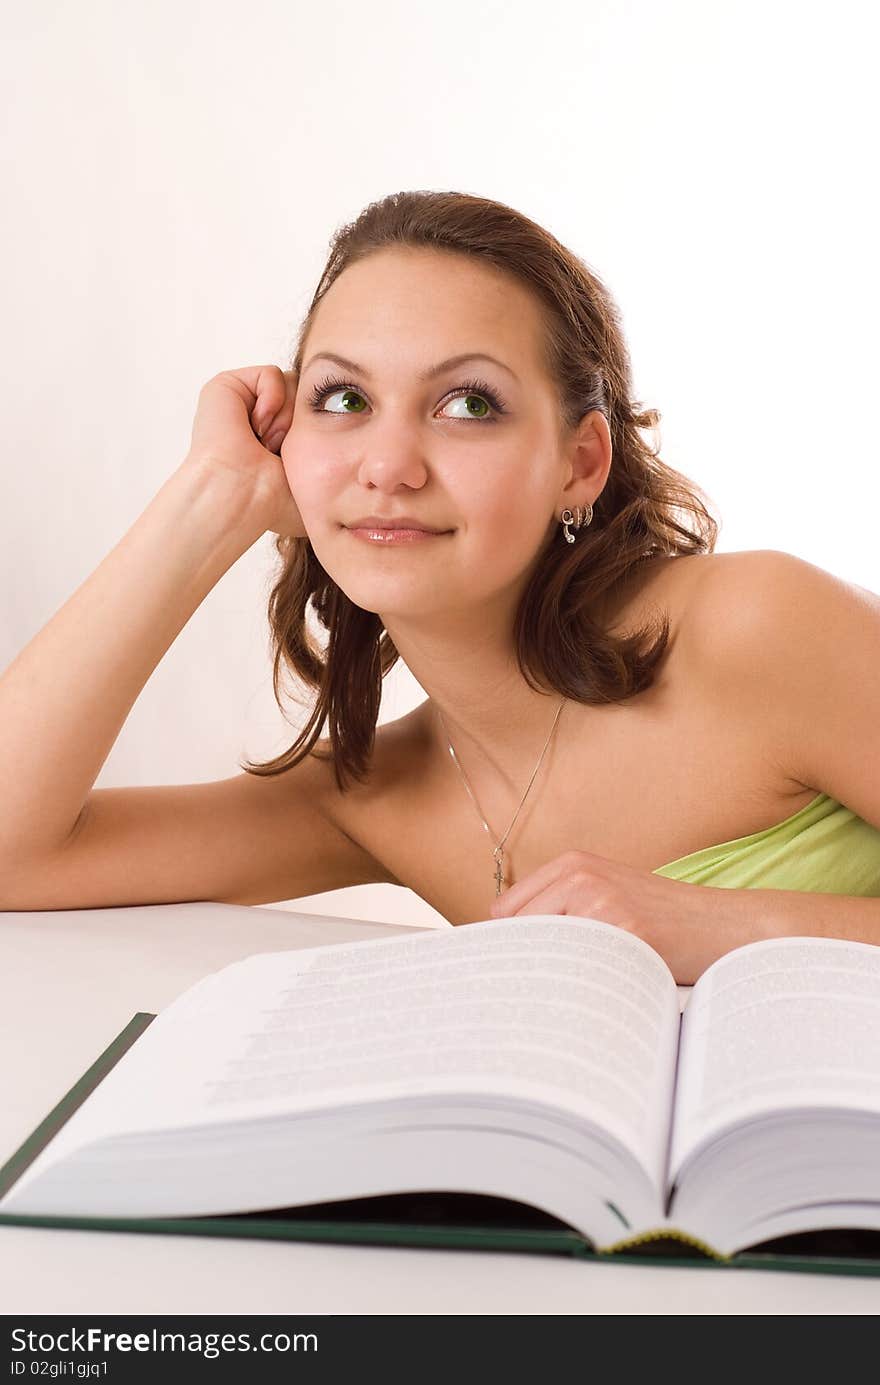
column 241, row 421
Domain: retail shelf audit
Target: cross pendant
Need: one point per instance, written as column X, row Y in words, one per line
column 499, row 881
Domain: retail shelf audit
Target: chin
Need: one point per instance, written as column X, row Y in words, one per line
column 392, row 602
column 394, row 598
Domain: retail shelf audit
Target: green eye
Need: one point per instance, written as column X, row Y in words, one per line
column 347, row 396
column 481, row 402
column 468, row 399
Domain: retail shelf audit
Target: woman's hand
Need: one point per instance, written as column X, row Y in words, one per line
column 686, row 924
column 243, row 417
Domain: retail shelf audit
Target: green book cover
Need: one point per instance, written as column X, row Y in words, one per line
column 459, row 1221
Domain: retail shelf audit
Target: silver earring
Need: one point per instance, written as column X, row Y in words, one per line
column 584, row 517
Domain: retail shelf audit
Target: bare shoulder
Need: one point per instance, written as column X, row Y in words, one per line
column 733, row 608
column 754, row 606
column 375, row 800
column 800, row 648
column 785, row 643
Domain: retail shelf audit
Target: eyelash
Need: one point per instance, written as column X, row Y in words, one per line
column 330, row 385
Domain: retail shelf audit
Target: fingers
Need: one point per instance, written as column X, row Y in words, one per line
column 278, row 425
column 270, row 391
column 272, row 442
column 273, row 412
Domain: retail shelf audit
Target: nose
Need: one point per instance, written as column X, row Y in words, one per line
column 392, row 458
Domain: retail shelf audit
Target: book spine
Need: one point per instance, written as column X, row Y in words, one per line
column 663, row 1234
column 48, row 1128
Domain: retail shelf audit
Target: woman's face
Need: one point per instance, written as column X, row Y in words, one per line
column 473, row 449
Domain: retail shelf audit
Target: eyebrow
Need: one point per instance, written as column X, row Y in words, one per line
column 422, row 375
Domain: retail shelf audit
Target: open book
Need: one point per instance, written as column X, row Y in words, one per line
column 541, row 1059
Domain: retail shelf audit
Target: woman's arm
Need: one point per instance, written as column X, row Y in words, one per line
column 745, row 915
column 66, row 696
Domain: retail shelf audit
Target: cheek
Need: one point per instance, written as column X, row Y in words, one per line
column 513, row 516
column 313, row 480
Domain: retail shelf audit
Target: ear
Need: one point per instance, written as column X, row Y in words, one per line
column 588, row 461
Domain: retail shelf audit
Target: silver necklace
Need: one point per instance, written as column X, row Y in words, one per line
column 498, row 850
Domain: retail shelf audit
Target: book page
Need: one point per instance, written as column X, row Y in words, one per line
column 773, row 1026
column 571, row 1013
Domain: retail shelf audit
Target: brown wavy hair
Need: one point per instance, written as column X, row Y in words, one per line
column 646, row 510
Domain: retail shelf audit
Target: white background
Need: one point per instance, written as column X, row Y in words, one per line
column 172, row 176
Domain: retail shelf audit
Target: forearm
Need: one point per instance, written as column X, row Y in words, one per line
column 729, row 918
column 65, row 697
column 804, row 914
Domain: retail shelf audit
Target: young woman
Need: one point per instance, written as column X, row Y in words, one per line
column 456, row 473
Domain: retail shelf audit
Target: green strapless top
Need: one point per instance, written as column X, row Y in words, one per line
column 825, row 848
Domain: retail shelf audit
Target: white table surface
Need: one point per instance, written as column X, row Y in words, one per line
column 71, row 980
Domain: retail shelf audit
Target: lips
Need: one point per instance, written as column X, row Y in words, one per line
column 398, row 522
